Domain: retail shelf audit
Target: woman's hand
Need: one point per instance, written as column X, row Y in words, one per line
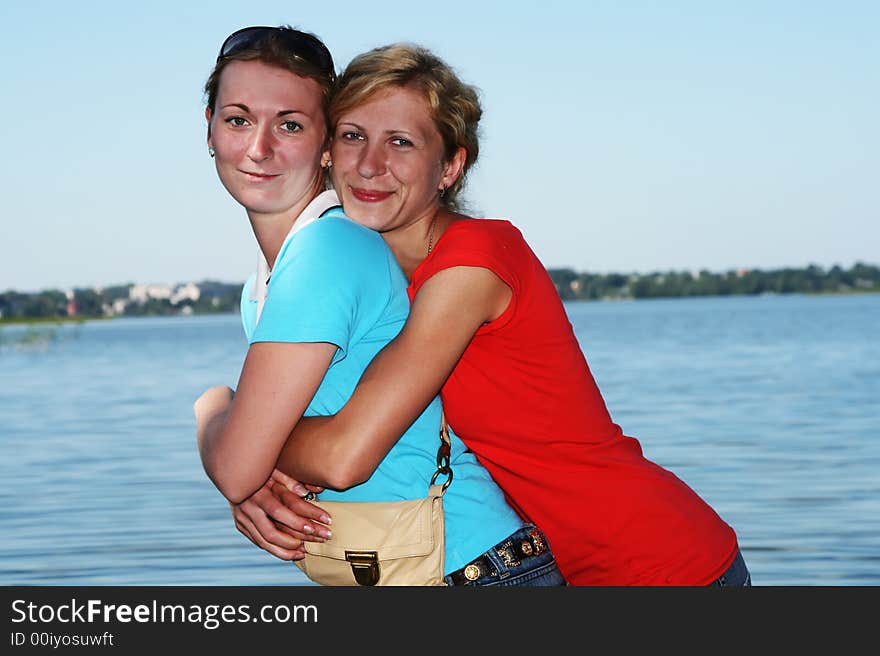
column 277, row 519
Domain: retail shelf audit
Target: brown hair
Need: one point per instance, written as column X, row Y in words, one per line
column 274, row 50
column 455, row 106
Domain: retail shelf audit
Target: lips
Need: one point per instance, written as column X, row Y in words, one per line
column 369, row 195
column 259, row 177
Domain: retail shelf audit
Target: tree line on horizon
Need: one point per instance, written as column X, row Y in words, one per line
column 813, row 279
column 220, row 297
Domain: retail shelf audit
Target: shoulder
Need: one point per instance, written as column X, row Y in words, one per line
column 335, row 240
column 490, row 238
column 338, row 226
column 493, row 244
column 483, row 232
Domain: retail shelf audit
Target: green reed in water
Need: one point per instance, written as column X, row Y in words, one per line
column 34, row 336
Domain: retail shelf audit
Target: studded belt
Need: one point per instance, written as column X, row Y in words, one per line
column 511, row 552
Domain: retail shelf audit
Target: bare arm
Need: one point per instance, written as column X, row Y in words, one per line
column 400, row 381
column 241, row 439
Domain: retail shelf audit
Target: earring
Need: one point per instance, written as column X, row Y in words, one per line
column 443, row 191
column 210, row 151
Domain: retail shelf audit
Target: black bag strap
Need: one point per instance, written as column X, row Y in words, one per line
column 444, row 467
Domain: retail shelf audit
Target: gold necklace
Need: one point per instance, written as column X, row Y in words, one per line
column 431, row 231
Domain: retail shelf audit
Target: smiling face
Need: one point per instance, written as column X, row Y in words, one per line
column 268, row 132
column 388, row 161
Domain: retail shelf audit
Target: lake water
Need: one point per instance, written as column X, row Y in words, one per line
column 769, row 407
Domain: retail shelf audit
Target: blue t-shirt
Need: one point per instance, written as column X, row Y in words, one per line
column 335, row 281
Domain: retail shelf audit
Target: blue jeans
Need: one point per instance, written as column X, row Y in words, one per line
column 737, row 575
column 523, row 558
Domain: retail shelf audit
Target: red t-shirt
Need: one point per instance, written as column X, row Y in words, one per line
column 522, row 398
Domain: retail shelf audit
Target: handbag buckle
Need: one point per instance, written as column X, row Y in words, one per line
column 364, row 566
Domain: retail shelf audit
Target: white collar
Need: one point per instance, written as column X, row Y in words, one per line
column 319, row 204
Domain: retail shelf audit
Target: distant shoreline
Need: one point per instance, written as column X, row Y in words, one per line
column 850, row 292
column 27, row 321
column 59, row 321
column 213, row 297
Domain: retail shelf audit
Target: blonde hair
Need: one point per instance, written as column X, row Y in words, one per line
column 455, row 106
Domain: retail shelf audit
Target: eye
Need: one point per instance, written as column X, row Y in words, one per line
column 236, row 121
column 401, row 142
column 291, row 126
column 351, row 135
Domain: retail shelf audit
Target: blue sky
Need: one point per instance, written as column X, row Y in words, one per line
column 619, row 136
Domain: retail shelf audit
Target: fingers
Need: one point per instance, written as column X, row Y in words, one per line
column 266, row 521
column 293, row 485
column 293, row 511
column 297, row 535
column 284, row 480
column 293, row 550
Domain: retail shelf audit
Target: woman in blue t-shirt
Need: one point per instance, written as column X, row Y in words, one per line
column 327, row 296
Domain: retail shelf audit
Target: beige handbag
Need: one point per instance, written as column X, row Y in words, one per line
column 385, row 542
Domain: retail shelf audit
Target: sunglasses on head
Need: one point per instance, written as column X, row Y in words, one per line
column 300, row 44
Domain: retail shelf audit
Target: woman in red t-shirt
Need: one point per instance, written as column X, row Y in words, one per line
column 488, row 327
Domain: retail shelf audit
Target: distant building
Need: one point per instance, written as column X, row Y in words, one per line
column 188, row 292
column 143, row 293
column 71, row 303
column 174, row 294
